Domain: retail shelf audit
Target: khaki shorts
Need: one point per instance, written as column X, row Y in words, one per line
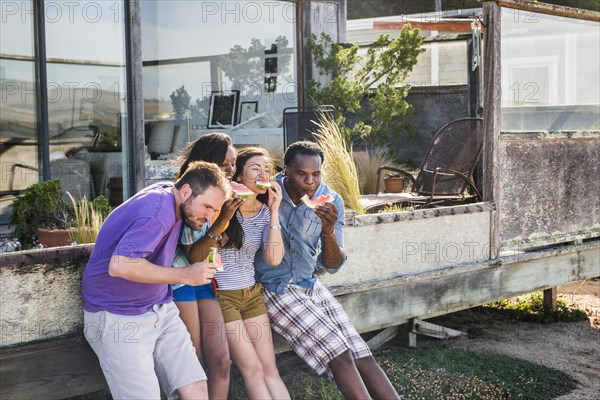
column 241, row 304
column 140, row 354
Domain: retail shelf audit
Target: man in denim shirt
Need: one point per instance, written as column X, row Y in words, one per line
column 300, row 307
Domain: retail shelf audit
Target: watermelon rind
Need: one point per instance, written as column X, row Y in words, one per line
column 241, row 190
column 263, row 184
column 319, row 200
column 307, row 202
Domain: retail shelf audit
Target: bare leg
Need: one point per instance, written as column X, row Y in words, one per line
column 243, row 354
column 375, row 379
column 194, row 391
column 215, row 348
column 259, row 332
column 347, row 378
column 188, row 312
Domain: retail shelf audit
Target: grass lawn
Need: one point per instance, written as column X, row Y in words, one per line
column 433, row 371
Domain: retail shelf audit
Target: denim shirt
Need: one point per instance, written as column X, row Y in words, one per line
column 302, row 235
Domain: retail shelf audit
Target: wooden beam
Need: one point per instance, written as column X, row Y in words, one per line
column 383, row 337
column 134, row 175
column 492, row 98
column 550, row 9
column 435, row 331
column 407, row 337
column 379, row 305
column 441, row 26
column 550, row 299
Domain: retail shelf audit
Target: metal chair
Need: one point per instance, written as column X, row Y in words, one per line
column 446, row 175
column 300, row 123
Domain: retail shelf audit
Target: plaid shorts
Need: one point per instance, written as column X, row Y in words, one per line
column 314, row 324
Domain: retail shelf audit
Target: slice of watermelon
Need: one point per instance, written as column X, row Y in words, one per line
column 214, row 257
column 241, row 190
column 263, row 184
column 317, row 201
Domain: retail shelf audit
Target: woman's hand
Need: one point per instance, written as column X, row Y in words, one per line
column 227, row 212
column 275, row 196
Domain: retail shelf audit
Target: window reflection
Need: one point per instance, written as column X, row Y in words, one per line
column 216, row 47
column 18, row 140
column 86, row 99
column 550, row 68
column 86, row 81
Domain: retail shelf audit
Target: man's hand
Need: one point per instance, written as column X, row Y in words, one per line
column 329, row 215
column 201, row 273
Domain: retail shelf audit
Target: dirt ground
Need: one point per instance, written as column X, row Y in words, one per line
column 573, row 348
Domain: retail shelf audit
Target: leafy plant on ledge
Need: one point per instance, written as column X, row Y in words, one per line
column 39, row 206
column 369, row 89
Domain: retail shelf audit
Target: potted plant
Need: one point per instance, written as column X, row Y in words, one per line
column 394, row 183
column 40, row 215
column 40, row 212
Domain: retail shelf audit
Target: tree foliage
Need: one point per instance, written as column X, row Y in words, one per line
column 180, row 99
column 245, row 67
column 369, row 88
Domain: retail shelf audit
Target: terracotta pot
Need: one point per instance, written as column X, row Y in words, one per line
column 53, row 237
column 394, row 184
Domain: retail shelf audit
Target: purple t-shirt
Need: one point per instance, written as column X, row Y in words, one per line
column 145, row 226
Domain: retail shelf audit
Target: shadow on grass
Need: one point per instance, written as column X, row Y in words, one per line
column 432, row 372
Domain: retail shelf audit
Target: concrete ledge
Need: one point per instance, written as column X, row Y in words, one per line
column 380, row 304
column 380, row 218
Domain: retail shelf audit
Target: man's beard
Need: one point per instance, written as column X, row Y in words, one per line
column 185, row 211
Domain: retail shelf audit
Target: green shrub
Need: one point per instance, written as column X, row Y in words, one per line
column 378, row 76
column 531, row 308
column 40, row 205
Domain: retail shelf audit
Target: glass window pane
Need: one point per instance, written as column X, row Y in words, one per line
column 18, row 130
column 550, row 69
column 442, row 63
column 216, row 47
column 86, row 99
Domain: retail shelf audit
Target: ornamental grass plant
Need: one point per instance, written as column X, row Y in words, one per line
column 339, row 170
column 88, row 218
column 367, row 164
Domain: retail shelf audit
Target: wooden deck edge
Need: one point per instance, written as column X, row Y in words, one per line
column 507, row 259
column 68, row 367
column 441, row 292
column 53, row 370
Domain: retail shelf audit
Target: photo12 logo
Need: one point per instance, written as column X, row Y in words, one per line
column 63, row 11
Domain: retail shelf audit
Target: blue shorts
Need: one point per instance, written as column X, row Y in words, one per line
column 193, row 293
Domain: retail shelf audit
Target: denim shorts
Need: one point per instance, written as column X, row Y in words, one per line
column 193, row 293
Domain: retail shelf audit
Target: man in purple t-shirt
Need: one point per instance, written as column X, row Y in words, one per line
column 130, row 320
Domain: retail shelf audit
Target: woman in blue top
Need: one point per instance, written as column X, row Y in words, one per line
column 255, row 226
column 197, row 305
